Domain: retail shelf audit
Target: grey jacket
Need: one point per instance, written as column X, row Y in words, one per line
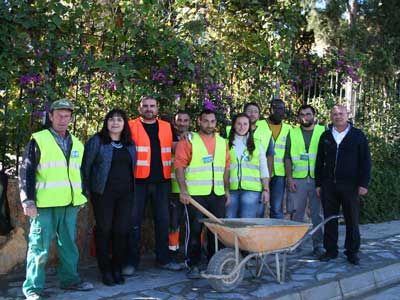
column 96, row 164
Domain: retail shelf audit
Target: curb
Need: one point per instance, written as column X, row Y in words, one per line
column 348, row 287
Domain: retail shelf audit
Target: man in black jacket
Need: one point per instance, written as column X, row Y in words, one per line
column 342, row 174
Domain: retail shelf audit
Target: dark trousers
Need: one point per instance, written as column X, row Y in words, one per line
column 158, row 193
column 333, row 195
column 112, row 212
column 216, row 205
column 176, row 210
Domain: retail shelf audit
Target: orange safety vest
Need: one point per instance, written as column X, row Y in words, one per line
column 143, row 149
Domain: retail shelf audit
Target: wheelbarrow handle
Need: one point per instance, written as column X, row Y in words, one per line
column 204, row 211
column 311, row 232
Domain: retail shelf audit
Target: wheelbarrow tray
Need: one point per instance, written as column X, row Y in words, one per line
column 258, row 234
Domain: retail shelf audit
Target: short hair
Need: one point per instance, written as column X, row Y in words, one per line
column 181, row 112
column 206, row 112
column 252, row 104
column 104, row 134
column 276, row 100
column 306, row 106
column 147, row 98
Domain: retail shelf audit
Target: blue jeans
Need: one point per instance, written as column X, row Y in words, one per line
column 244, row 204
column 277, row 191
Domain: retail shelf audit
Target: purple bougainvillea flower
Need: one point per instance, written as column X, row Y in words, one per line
column 113, row 85
column 86, row 88
column 209, row 105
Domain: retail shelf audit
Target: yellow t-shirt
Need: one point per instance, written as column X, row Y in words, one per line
column 276, row 129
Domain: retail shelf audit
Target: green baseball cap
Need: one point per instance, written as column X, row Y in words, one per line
column 62, row 104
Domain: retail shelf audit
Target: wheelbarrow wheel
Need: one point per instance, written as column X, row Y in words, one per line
column 222, row 263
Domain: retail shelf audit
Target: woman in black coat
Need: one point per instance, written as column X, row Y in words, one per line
column 108, row 176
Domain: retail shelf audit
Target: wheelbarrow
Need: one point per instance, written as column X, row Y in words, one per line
column 259, row 239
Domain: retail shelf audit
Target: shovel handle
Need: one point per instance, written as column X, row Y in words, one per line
column 204, row 210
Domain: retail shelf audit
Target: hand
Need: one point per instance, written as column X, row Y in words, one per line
column 185, row 136
column 265, row 196
column 291, row 185
column 362, row 191
column 31, row 211
column 318, row 191
column 228, row 199
column 184, row 198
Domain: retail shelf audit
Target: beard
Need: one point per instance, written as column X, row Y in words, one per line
column 307, row 124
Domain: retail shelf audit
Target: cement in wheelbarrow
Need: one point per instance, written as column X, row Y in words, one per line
column 258, row 235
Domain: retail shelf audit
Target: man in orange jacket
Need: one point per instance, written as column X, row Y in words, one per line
column 153, row 139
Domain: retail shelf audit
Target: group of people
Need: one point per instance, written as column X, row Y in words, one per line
column 234, row 174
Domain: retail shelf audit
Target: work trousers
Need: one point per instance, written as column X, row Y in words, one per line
column 297, row 204
column 333, row 196
column 176, row 211
column 158, row 194
column 216, row 205
column 112, row 210
column 50, row 222
column 277, row 192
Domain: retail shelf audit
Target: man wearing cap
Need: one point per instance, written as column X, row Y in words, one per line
column 51, row 193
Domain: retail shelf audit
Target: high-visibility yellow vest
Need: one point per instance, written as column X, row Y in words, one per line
column 206, row 172
column 280, row 144
column 174, row 183
column 262, row 133
column 58, row 181
column 302, row 162
column 244, row 173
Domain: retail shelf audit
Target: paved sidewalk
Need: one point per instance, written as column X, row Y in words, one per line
column 307, row 277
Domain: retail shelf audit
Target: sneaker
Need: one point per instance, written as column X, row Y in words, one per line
column 108, row 279
column 193, row 273
column 33, row 296
column 327, row 257
column 172, row 266
column 353, row 259
column 318, row 252
column 128, row 270
column 82, row 286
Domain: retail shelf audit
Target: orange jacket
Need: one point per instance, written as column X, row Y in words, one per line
column 143, row 147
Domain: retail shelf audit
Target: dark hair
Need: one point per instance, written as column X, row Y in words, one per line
column 306, row 106
column 183, row 112
column 126, row 138
column 277, row 100
column 251, row 104
column 250, row 140
column 206, row 112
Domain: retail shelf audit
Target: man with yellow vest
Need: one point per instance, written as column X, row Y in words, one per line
column 51, row 194
column 300, row 156
column 181, row 123
column 280, row 131
column 202, row 171
column 153, row 139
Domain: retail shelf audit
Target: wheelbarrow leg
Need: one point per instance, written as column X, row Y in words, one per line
column 278, row 268
column 216, row 241
column 284, row 266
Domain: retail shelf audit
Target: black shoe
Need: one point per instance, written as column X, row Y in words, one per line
column 108, row 279
column 353, row 259
column 118, row 278
column 327, row 256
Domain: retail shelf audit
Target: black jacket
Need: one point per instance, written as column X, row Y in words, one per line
column 350, row 163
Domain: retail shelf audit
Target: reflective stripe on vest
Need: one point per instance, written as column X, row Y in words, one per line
column 245, row 172
column 302, row 162
column 142, row 141
column 203, row 174
column 280, row 144
column 58, row 183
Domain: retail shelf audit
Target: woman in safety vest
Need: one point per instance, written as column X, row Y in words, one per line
column 108, row 173
column 249, row 176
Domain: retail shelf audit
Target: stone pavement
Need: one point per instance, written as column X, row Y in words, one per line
column 307, row 277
